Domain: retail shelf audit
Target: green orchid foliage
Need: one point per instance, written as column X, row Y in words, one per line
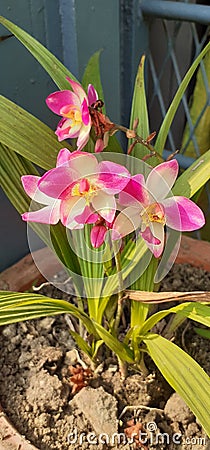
column 103, row 214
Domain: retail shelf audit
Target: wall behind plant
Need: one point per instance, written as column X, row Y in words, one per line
column 73, row 30
column 23, row 81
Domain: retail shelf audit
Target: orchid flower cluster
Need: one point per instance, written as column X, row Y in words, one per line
column 80, row 190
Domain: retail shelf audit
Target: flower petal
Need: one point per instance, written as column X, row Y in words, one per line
column 63, row 129
column 48, row 214
column 161, row 179
column 148, row 237
column 113, row 177
column 56, row 181
column 85, row 112
column 135, row 192
column 71, row 208
column 183, row 214
column 77, row 88
column 97, row 235
column 92, row 95
column 105, row 205
column 154, row 239
column 126, row 222
column 59, row 99
column 30, row 185
column 74, row 131
column 87, row 216
column 99, row 146
column 63, row 157
column 84, row 164
column 83, row 136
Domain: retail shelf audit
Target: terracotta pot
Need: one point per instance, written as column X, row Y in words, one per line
column 22, row 275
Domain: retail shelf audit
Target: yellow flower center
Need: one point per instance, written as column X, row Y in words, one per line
column 84, row 188
column 153, row 213
column 73, row 113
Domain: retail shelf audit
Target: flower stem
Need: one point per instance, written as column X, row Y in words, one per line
column 120, row 285
column 138, row 139
column 122, row 368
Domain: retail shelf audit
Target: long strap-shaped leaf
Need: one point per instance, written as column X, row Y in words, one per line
column 195, row 311
column 163, row 133
column 193, row 178
column 15, row 307
column 184, row 374
column 92, row 76
column 27, row 135
column 91, row 268
column 57, row 71
column 139, row 111
column 12, row 167
column 119, row 348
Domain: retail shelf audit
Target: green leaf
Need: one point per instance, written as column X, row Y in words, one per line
column 96, row 345
column 57, row 71
column 114, row 145
column 201, row 332
column 139, row 111
column 120, row 349
column 132, row 253
column 28, row 136
column 183, row 374
column 197, row 108
column 163, row 133
column 193, row 178
column 16, row 306
column 194, row 311
column 176, row 321
column 12, row 167
column 92, row 75
column 139, row 311
column 82, row 344
column 91, row 268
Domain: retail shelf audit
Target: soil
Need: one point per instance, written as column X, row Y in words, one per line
column 36, row 387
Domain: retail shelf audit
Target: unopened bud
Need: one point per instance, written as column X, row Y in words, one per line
column 149, row 155
column 171, row 156
column 130, row 149
column 151, row 137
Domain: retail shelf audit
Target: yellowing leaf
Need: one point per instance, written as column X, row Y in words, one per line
column 183, row 374
column 198, row 103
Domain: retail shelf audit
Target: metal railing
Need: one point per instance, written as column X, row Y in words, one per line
column 176, row 11
column 177, row 33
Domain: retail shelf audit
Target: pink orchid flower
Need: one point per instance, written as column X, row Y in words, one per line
column 85, row 187
column 51, row 212
column 73, row 107
column 150, row 207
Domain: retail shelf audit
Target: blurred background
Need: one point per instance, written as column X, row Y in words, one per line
column 170, row 33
